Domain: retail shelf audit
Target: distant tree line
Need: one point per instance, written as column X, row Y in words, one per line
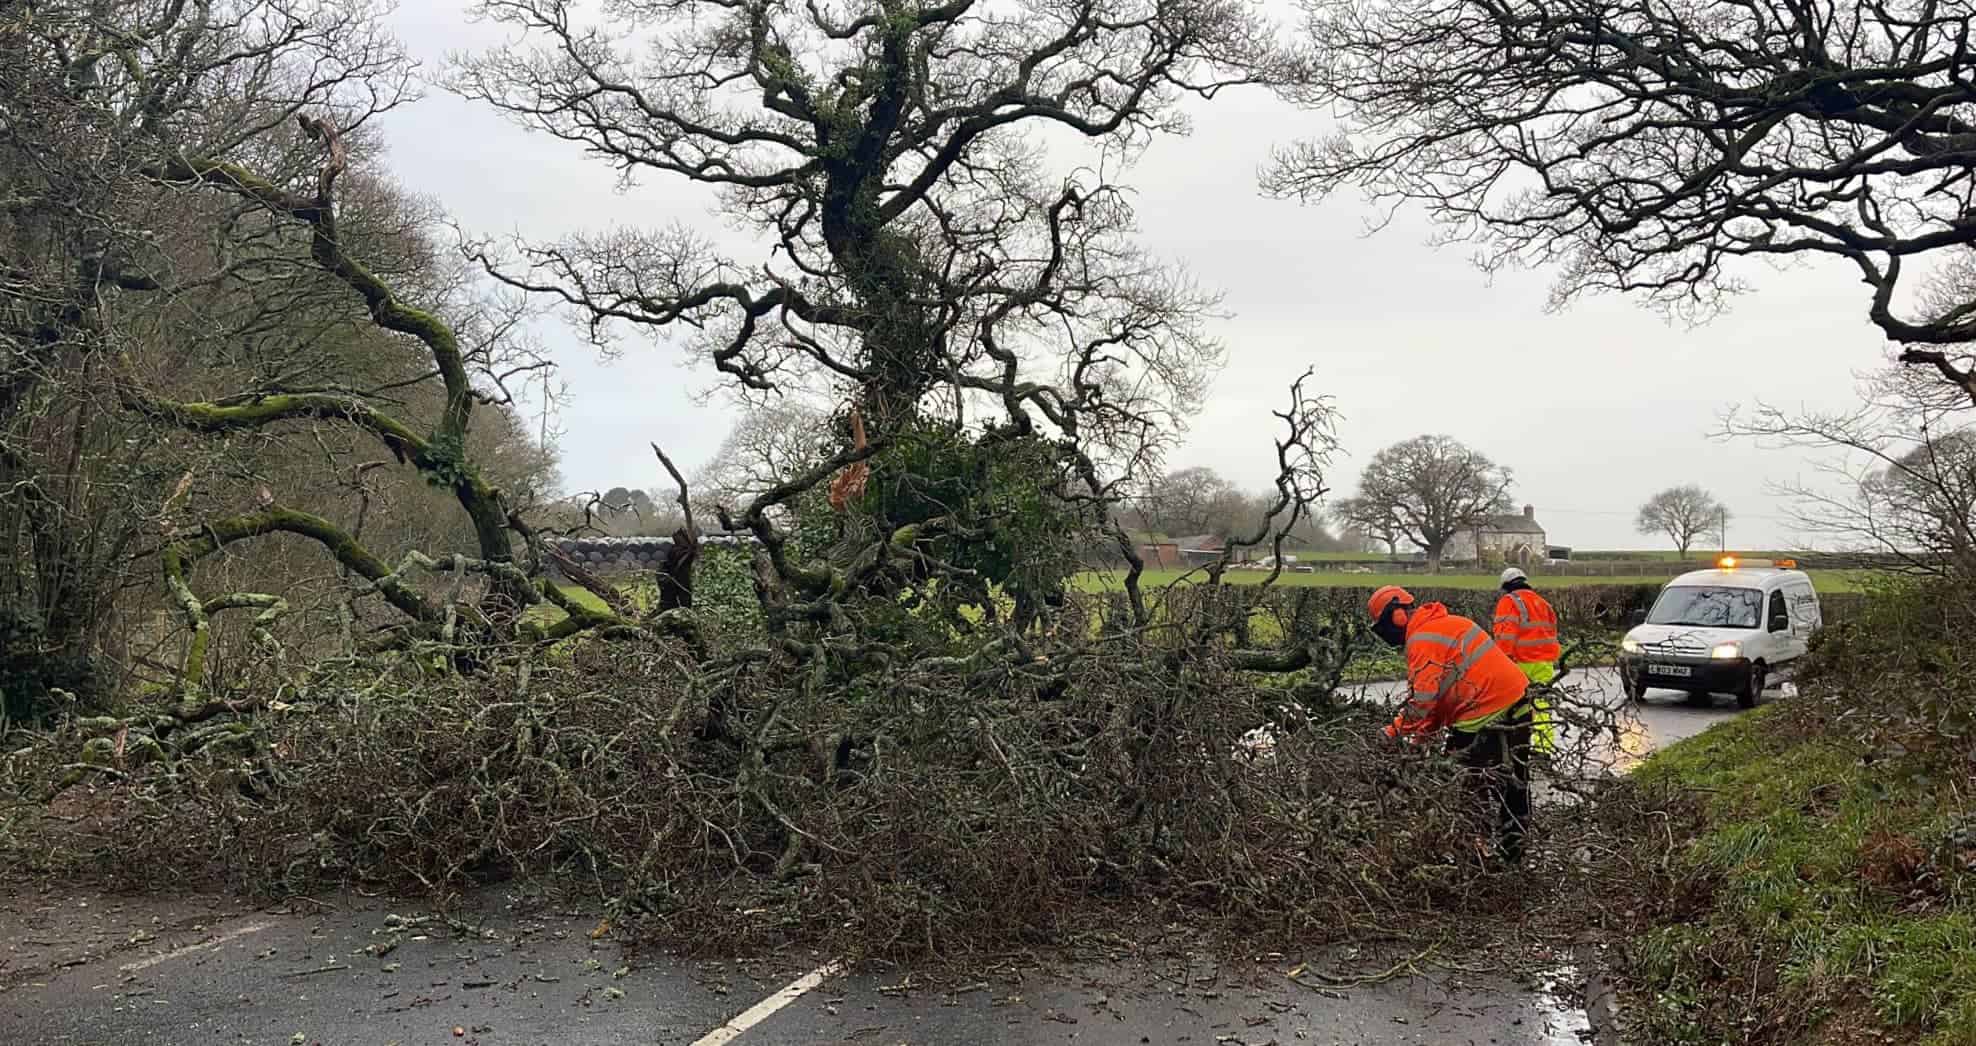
column 1199, row 501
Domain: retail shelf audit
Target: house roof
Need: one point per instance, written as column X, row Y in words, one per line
column 1202, row 542
column 1512, row 523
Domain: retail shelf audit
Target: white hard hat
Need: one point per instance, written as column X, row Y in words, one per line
column 1513, row 574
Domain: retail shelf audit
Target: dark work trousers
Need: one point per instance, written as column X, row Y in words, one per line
column 1498, row 759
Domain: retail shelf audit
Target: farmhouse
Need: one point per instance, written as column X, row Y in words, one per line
column 1512, row 538
column 1202, row 549
column 1161, row 555
column 1199, row 549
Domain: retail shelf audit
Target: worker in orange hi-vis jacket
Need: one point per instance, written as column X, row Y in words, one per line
column 1460, row 680
column 1526, row 630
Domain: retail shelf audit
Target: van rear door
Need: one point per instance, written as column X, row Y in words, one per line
column 1802, row 604
column 1806, row 616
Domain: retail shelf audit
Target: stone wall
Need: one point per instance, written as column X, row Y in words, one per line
column 628, row 555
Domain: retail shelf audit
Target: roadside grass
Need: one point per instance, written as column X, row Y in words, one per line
column 1817, row 869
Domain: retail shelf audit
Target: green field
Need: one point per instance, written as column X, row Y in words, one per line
column 1102, row 581
column 1665, row 555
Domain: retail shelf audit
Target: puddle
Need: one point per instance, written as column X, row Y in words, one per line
column 1565, row 1023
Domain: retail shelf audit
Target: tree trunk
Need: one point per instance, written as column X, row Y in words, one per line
column 675, row 575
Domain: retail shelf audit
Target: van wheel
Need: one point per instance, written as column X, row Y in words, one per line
column 1753, row 687
column 1630, row 685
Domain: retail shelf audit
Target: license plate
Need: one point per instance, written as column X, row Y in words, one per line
column 1670, row 670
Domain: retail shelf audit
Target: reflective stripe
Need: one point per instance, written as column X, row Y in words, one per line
column 1525, row 705
column 1535, row 636
column 1453, row 674
column 1470, row 682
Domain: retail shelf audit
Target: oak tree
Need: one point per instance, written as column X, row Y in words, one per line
column 917, row 258
column 1425, row 491
column 1683, row 514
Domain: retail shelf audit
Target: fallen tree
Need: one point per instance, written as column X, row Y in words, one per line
column 889, row 712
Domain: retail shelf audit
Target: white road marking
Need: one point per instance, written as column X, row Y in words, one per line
column 205, row 945
column 766, row 1008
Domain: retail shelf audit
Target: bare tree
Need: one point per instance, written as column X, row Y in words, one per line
column 1425, row 491
column 1929, row 497
column 185, row 184
column 1645, row 147
column 921, row 262
column 1190, row 501
column 769, row 444
column 1901, row 480
column 1683, row 514
column 1365, row 531
column 110, row 268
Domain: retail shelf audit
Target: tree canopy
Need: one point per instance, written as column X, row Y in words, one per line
column 1647, row 147
column 1683, row 514
column 1425, row 490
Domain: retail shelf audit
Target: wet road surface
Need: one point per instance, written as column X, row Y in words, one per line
column 1666, row 716
column 120, row 972
column 93, row 970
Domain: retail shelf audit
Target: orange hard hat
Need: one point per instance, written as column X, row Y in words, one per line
column 1386, row 597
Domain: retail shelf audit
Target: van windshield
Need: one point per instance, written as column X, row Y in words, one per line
column 1707, row 607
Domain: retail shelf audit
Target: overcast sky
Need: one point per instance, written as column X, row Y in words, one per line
column 1593, row 409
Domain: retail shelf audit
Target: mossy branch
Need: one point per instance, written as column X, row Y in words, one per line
column 217, row 534
column 387, row 310
column 399, row 438
column 192, row 671
column 441, row 455
column 390, row 582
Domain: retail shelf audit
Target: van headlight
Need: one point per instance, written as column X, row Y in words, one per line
column 1727, row 651
column 1630, row 645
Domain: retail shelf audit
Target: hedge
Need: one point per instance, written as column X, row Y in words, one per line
column 1582, row 610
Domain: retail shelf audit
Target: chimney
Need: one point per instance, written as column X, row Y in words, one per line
column 1529, row 512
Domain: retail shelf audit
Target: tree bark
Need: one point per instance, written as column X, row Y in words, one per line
column 675, row 575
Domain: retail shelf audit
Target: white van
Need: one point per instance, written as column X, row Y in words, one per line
column 1722, row 631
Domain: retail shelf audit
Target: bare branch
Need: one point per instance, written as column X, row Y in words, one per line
column 1649, row 149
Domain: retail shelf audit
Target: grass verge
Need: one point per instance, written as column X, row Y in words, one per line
column 1802, row 873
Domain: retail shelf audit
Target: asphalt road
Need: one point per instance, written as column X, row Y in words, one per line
column 110, row 972
column 104, row 971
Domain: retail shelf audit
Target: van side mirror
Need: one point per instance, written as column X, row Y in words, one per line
column 1637, row 617
column 1780, row 623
